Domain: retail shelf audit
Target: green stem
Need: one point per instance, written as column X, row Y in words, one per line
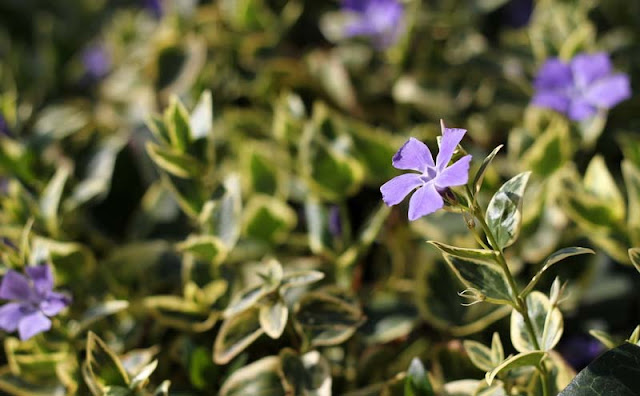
column 519, row 303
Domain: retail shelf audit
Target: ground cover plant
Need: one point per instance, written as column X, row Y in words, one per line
column 350, row 197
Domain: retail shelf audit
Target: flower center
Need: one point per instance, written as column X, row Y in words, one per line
column 429, row 174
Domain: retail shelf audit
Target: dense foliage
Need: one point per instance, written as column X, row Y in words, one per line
column 234, row 197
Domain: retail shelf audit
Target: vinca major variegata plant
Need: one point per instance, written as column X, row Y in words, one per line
column 278, row 198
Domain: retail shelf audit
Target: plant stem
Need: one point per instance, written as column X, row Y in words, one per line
column 519, row 303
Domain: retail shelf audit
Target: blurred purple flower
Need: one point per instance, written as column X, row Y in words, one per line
column 4, row 127
column 380, row 20
column 580, row 350
column 155, row 7
column 96, row 62
column 33, row 301
column 580, row 88
column 335, row 223
column 517, row 13
column 433, row 179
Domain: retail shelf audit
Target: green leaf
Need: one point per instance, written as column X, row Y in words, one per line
column 634, row 256
column 326, row 319
column 479, row 354
column 206, row 247
column 201, row 120
column 51, row 196
column 222, row 217
column 549, row 151
column 177, row 120
column 236, row 334
column 517, row 361
column 261, row 377
column 605, row 338
column 417, row 381
column 159, row 129
column 616, row 372
column 547, row 324
column 477, row 180
column 97, row 312
column 273, row 318
column 142, row 377
column 465, row 253
column 497, row 352
column 551, row 260
column 174, row 311
column 483, row 276
column 309, row 374
column 176, row 163
column 504, row 215
column 301, row 278
column 631, row 176
column 103, row 369
column 268, row 219
column 599, row 183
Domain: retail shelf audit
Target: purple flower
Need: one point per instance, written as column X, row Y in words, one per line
column 580, row 350
column 335, row 223
column 381, row 20
column 580, row 88
column 433, row 179
column 155, row 7
column 33, row 301
column 96, row 62
column 518, row 12
column 4, row 127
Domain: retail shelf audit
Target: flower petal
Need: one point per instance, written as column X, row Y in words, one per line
column 450, row 139
column 580, row 109
column 424, row 201
column 587, row 68
column 54, row 303
column 33, row 324
column 454, row 175
column 552, row 100
column 609, row 91
column 11, row 314
column 413, row 155
column 42, row 278
column 554, row 74
column 396, row 189
column 355, row 5
column 15, row 286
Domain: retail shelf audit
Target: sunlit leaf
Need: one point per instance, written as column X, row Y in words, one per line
column 504, row 216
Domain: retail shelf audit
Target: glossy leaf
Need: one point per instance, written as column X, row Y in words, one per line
column 177, row 120
column 326, row 319
column 547, row 324
column 484, row 276
column 178, row 164
column 613, row 373
column 504, row 213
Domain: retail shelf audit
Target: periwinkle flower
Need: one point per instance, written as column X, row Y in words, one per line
column 582, row 87
column 96, row 62
column 433, row 179
column 155, row 7
column 380, row 20
column 34, row 301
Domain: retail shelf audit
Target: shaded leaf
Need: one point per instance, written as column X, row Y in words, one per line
column 206, row 247
column 479, row 354
column 178, row 164
column 258, row 378
column 616, row 372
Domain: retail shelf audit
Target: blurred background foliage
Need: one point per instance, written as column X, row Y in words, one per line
column 204, row 177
